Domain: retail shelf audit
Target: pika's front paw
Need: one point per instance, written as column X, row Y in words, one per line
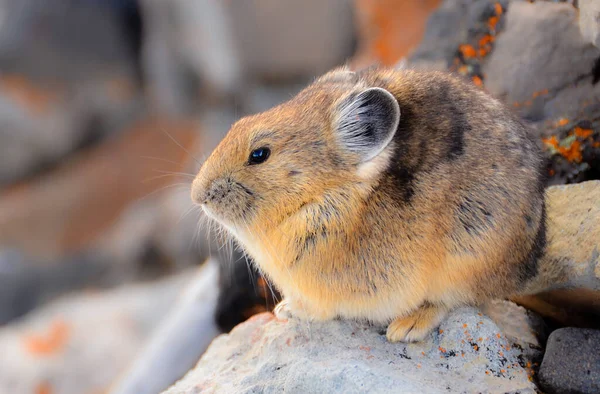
column 416, row 326
column 290, row 308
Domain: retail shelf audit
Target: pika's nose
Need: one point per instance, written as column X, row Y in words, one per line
column 199, row 191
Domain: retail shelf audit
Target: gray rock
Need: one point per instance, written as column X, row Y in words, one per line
column 572, row 362
column 65, row 42
column 455, row 22
column 81, row 343
column 589, row 20
column 67, row 77
column 19, row 289
column 191, row 37
column 469, row 353
column 283, row 40
column 179, row 341
column 554, row 59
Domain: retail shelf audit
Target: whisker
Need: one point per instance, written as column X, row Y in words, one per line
column 159, row 177
column 176, row 173
column 180, row 185
column 161, row 159
column 198, row 162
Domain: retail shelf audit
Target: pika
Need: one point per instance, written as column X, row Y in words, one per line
column 387, row 195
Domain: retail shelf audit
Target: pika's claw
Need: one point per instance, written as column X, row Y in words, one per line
column 291, row 308
column 416, row 326
column 282, row 310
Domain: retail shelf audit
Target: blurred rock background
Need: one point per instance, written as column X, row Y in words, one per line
column 107, row 108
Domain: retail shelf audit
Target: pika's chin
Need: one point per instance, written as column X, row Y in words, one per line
column 222, row 221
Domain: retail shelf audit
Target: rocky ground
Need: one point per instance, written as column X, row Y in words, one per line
column 99, row 141
column 469, row 353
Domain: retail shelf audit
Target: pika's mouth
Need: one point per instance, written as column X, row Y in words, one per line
column 227, row 202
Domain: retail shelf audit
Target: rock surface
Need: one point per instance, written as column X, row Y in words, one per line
column 469, row 353
column 519, row 70
column 573, row 241
column 572, row 362
column 68, row 77
column 549, row 79
column 589, row 20
column 182, row 337
column 80, row 344
column 77, row 201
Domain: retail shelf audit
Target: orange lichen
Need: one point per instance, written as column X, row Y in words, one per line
column 596, row 144
column 583, row 133
column 562, row 122
column 488, row 38
column 44, row 388
column 465, row 325
column 572, row 153
column 467, row 51
column 441, row 349
column 388, row 30
column 475, row 347
column 477, row 81
column 492, row 22
column 48, row 343
column 441, row 331
column 25, row 93
column 487, row 372
column 551, row 141
column 540, row 93
column 498, row 9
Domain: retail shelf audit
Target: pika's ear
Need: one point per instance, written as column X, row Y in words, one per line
column 367, row 122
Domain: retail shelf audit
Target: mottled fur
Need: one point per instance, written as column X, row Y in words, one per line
column 450, row 213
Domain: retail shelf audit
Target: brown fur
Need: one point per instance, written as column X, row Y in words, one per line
column 450, row 213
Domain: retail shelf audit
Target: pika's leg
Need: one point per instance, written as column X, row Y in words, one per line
column 290, row 307
column 416, row 326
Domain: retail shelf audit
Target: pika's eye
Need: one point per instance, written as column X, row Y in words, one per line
column 259, row 155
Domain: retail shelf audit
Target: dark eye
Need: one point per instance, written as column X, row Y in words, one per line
column 259, row 155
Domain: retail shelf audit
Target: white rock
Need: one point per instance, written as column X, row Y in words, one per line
column 81, row 343
column 589, row 20
column 183, row 336
column 469, row 353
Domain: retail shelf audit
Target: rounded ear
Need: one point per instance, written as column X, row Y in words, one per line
column 367, row 122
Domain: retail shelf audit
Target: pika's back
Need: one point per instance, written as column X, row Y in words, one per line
column 467, row 171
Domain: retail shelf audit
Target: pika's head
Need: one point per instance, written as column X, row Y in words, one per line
column 333, row 134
